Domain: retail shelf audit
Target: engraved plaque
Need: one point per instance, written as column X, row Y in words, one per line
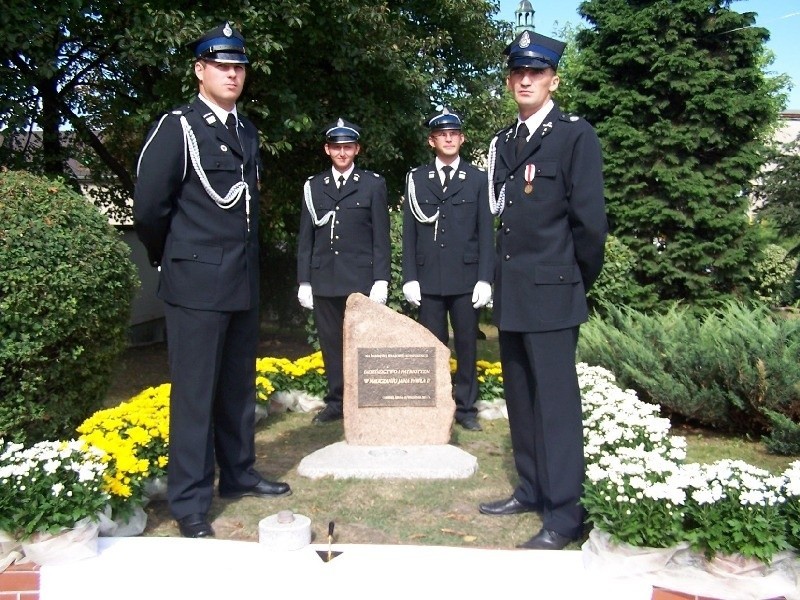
column 396, row 377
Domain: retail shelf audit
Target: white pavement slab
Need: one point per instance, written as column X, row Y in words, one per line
column 137, row 568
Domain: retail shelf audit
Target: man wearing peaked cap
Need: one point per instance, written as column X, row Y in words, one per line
column 343, row 247
column 534, row 51
column 223, row 44
column 196, row 212
column 448, row 258
column 546, row 185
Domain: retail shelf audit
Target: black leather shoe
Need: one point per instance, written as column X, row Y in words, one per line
column 195, row 526
column 469, row 422
column 546, row 540
column 263, row 489
column 507, row 506
column 331, row 412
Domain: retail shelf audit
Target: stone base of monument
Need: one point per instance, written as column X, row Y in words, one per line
column 342, row 460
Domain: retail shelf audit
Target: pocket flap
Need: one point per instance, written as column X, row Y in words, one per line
column 204, row 254
column 556, row 274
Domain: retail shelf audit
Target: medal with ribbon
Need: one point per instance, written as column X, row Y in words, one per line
column 530, row 173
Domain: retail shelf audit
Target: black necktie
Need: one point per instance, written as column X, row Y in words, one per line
column 446, row 170
column 230, row 123
column 341, row 182
column 522, row 138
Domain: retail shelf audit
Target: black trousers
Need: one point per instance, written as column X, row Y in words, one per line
column 433, row 311
column 545, row 419
column 329, row 318
column 212, row 359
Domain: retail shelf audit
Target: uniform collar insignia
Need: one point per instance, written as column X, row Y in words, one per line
column 355, row 176
column 462, row 174
column 431, row 174
column 546, row 128
column 327, row 180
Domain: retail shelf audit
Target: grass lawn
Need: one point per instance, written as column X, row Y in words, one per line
column 386, row 511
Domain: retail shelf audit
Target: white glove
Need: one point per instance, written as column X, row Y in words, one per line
column 412, row 293
column 305, row 296
column 379, row 292
column 481, row 295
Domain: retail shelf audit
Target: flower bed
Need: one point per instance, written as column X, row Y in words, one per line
column 638, row 488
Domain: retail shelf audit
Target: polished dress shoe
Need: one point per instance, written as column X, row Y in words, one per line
column 195, row 526
column 470, row 422
column 263, row 489
column 507, row 506
column 546, row 539
column 331, row 412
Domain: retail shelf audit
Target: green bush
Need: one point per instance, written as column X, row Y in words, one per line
column 733, row 369
column 773, row 275
column 66, row 285
column 617, row 284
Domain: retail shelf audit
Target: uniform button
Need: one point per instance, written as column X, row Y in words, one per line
column 336, row 252
column 508, row 230
column 194, row 256
column 441, row 245
column 511, row 177
column 507, row 257
column 337, row 237
column 561, row 278
column 442, row 216
column 338, row 207
column 510, row 202
column 441, row 230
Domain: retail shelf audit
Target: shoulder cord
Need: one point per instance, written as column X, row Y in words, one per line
column 233, row 196
column 329, row 216
column 496, row 205
column 413, row 204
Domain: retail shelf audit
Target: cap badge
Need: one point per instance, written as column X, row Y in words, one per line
column 340, row 123
column 445, row 111
column 525, row 40
column 227, row 30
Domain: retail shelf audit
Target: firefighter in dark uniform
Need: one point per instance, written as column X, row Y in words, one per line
column 448, row 255
column 546, row 183
column 196, row 212
column 343, row 247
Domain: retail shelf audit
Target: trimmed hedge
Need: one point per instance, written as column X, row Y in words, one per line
column 66, row 285
column 735, row 369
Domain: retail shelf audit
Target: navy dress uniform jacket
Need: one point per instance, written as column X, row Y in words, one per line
column 208, row 258
column 353, row 250
column 462, row 253
column 550, row 243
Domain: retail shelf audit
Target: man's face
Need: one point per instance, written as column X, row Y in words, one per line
column 342, row 155
column 531, row 88
column 221, row 83
column 446, row 143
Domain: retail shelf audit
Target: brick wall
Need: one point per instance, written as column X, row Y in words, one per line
column 20, row 582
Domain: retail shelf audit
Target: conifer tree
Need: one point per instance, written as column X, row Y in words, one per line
column 683, row 108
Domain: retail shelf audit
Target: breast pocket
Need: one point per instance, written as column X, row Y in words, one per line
column 465, row 208
column 358, row 202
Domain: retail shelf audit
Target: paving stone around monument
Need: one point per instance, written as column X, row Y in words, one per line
column 342, row 460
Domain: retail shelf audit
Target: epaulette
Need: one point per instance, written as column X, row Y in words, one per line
column 181, row 110
column 569, row 118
